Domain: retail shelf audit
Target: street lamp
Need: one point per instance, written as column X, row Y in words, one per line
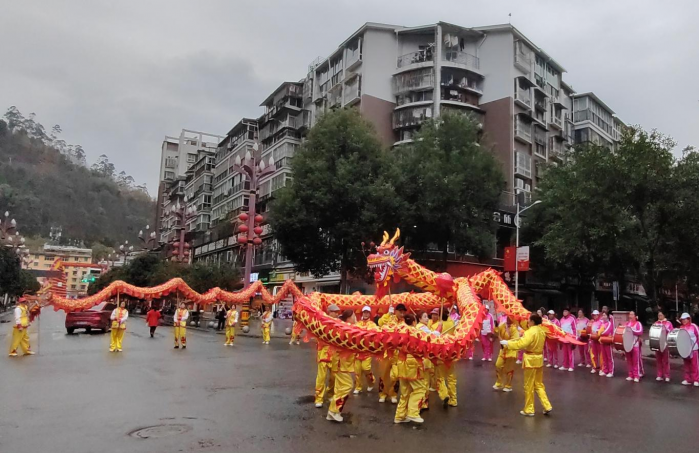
column 7, row 227
column 126, row 249
column 253, row 170
column 149, row 242
column 519, row 213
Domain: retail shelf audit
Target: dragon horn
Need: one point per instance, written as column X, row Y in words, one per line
column 385, row 238
column 395, row 236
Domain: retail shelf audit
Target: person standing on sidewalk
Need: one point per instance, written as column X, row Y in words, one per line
column 118, row 317
column 691, row 364
column 231, row 321
column 153, row 319
column 20, row 331
column 533, row 343
column 221, row 318
column 662, row 359
column 180, row 321
column 634, row 360
column 266, row 324
column 584, row 350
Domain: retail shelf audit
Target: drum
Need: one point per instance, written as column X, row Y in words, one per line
column 585, row 333
column 657, row 338
column 623, row 339
column 680, row 343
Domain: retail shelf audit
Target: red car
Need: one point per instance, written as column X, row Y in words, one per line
column 96, row 317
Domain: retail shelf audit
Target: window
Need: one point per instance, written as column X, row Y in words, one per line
column 191, row 158
column 171, row 162
column 523, row 164
column 169, row 175
column 72, row 286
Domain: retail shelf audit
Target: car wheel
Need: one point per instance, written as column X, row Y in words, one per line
column 88, row 329
column 70, row 330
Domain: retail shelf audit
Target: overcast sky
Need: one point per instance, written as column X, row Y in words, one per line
column 118, row 76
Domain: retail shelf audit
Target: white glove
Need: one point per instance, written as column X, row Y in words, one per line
column 503, row 342
column 391, row 310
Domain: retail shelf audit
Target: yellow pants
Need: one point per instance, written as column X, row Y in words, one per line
column 504, row 371
column 180, row 336
column 432, row 378
column 343, row 387
column 117, row 336
column 322, row 389
column 265, row 333
column 230, row 334
column 412, row 394
column 534, row 382
column 386, row 384
column 20, row 339
column 363, row 368
column 446, row 383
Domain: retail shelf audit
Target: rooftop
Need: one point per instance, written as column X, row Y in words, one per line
column 594, row 96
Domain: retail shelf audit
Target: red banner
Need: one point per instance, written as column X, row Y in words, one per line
column 510, row 259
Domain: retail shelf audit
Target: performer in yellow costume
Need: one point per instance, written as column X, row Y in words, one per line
column 343, row 368
column 20, row 331
column 118, row 317
column 532, row 343
column 180, row 322
column 231, row 321
column 324, row 360
column 362, row 366
column 266, row 324
column 445, row 374
column 505, row 365
column 387, row 384
column 413, row 386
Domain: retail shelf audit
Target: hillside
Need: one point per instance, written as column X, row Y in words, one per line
column 43, row 186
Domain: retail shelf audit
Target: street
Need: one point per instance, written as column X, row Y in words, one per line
column 74, row 396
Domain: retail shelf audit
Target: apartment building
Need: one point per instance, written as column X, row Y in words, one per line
column 198, row 191
column 398, row 77
column 177, row 155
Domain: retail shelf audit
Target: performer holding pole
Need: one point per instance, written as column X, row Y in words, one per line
column 532, row 343
column 410, row 374
column 180, row 321
column 362, row 365
column 118, row 317
column 387, row 384
column 324, row 361
column 266, row 324
column 231, row 322
column 505, row 365
column 343, row 369
column 20, row 330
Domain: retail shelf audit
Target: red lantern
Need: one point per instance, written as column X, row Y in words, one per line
column 242, row 239
column 186, row 253
column 259, row 218
column 243, row 217
column 257, row 230
column 257, row 241
column 175, row 252
column 176, row 244
column 243, row 228
column 187, row 245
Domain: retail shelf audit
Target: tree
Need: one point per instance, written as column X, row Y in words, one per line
column 13, row 280
column 103, row 167
column 450, row 186
column 341, row 195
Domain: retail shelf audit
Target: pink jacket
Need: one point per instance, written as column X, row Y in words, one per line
column 667, row 324
column 637, row 329
column 488, row 324
column 607, row 328
column 569, row 325
column 596, row 326
column 581, row 324
column 693, row 331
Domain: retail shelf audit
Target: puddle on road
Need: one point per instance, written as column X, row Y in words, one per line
column 160, row 431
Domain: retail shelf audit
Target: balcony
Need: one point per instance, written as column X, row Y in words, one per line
column 555, row 149
column 418, row 57
column 413, row 81
column 524, row 62
column 335, row 95
column 353, row 91
column 556, row 122
column 462, row 59
column 523, row 131
column 523, row 165
column 459, row 98
column 203, row 188
column 523, row 98
column 540, row 104
column 539, row 137
column 451, row 80
column 411, row 117
column 276, row 125
column 353, row 57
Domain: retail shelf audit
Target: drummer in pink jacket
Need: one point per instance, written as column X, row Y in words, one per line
column 569, row 326
column 584, row 350
column 633, row 358
column 487, row 335
column 662, row 359
column 691, row 364
column 551, row 351
column 595, row 346
column 607, row 330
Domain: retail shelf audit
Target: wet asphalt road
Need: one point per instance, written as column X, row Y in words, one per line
column 76, row 397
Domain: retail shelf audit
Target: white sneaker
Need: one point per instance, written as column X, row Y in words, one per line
column 334, row 417
column 629, row 379
column 570, row 369
column 667, row 379
column 636, row 380
column 506, row 389
column 356, row 392
column 696, row 384
column 593, row 372
column 581, row 364
column 483, row 359
column 588, row 366
column 319, row 404
column 382, row 400
column 369, row 389
column 400, row 420
column 394, row 400
column 519, row 362
column 291, row 342
column 548, row 365
column 470, row 358
column 685, row 383
column 298, row 342
column 417, row 419
column 555, row 366
column 610, row 375
column 658, row 379
column 561, row 369
column 526, row 414
column 497, row 387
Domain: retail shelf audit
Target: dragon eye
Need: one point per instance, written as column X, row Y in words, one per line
column 385, row 252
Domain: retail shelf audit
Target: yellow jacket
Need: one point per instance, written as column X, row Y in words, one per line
column 388, row 319
column 409, row 368
column 506, row 332
column 448, row 327
column 532, row 343
column 323, row 353
column 343, row 363
column 366, row 324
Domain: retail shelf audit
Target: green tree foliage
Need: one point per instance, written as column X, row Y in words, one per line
column 620, row 211
column 341, row 195
column 43, row 186
column 13, row 280
column 450, row 186
column 148, row 270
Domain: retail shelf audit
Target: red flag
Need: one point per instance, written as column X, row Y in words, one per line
column 510, row 259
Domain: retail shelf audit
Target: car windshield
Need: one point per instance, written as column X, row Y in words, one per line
column 104, row 306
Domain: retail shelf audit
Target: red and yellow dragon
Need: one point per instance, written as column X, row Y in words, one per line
column 391, row 263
